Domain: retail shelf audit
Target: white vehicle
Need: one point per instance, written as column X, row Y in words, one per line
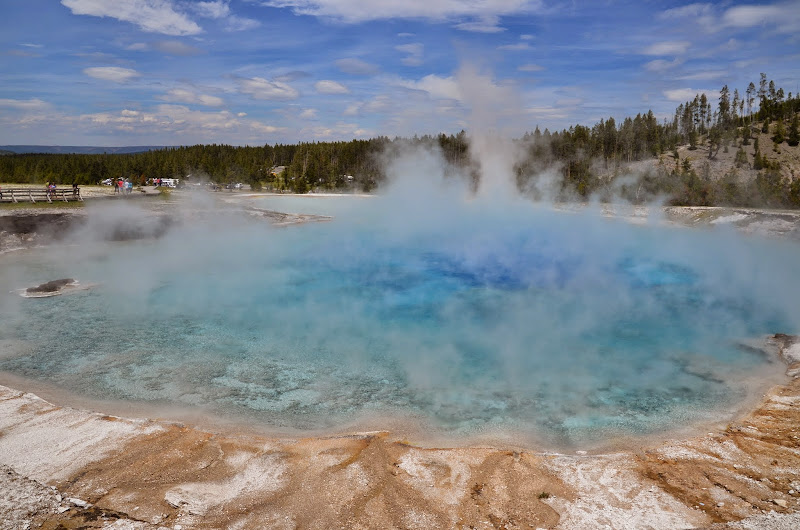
column 170, row 183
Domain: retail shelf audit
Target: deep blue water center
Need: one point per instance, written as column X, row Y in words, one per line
column 470, row 319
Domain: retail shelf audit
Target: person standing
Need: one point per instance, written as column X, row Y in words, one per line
column 116, row 186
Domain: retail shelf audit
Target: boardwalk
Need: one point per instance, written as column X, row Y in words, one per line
column 39, row 194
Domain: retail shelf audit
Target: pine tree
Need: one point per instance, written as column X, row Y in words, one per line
column 780, row 133
column 724, row 106
column 741, row 158
column 794, row 132
column 758, row 162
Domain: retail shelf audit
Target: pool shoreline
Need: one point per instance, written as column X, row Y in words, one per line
column 78, row 466
column 157, row 473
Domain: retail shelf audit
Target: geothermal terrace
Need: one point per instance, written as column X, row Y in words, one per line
column 398, row 388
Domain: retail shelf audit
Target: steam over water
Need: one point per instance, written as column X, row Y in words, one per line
column 473, row 317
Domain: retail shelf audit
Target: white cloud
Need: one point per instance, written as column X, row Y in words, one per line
column 288, row 77
column 338, row 130
column 700, row 13
column 308, row 114
column 182, row 95
column 705, row 75
column 785, row 17
column 176, row 119
column 667, row 48
column 484, row 24
column 530, row 67
column 547, row 112
column 440, row 10
column 30, row 45
column 661, row 65
column 216, row 9
column 170, row 47
column 162, row 124
column 237, row 23
column 689, row 10
column 414, row 51
column 24, row 104
column 22, row 53
column 221, row 10
column 112, row 73
column 327, row 86
column 260, row 88
column 520, row 46
column 375, row 105
column 685, row 94
column 356, row 67
column 98, row 56
column 437, row 87
column 154, row 16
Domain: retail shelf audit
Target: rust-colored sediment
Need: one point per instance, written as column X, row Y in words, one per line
column 199, row 480
column 752, row 466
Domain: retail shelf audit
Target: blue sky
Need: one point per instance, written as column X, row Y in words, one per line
column 249, row 72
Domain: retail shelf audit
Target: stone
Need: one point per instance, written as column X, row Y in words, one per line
column 780, row 502
column 78, row 502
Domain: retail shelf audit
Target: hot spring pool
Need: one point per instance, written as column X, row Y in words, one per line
column 470, row 319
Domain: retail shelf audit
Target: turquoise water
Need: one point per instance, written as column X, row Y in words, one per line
column 469, row 318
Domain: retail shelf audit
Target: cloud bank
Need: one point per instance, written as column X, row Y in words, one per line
column 154, row 16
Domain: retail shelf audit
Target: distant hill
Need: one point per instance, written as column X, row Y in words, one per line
column 80, row 150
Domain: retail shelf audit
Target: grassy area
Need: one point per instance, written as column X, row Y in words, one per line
column 27, row 205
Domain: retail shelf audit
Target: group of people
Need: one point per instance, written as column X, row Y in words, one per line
column 51, row 190
column 123, row 186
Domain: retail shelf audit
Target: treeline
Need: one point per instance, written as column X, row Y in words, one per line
column 588, row 161
column 298, row 168
column 592, row 159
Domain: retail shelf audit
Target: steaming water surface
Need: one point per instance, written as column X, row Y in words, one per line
column 471, row 318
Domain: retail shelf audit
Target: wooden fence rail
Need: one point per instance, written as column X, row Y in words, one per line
column 39, row 194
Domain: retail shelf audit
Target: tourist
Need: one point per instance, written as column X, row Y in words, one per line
column 116, row 186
